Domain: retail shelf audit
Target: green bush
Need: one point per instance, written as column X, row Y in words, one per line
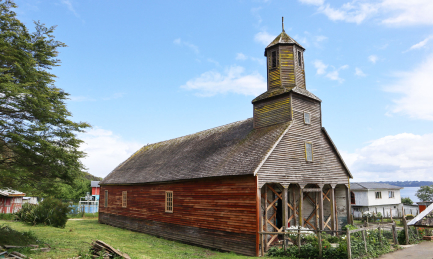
column 9, row 236
column 49, row 212
column 8, row 216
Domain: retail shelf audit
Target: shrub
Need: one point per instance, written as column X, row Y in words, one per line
column 7, row 216
column 49, row 212
column 9, row 236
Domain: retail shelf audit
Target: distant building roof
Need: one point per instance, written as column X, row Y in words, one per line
column 373, row 186
column 94, row 184
column 11, row 193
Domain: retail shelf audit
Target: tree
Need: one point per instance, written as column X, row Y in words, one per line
column 425, row 193
column 406, row 201
column 38, row 142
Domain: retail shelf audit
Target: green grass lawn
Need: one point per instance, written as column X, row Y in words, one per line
column 78, row 234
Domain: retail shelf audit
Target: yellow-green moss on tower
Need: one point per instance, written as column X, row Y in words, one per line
column 285, row 71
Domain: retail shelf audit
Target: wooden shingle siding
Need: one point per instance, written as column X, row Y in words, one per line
column 287, row 164
column 287, row 66
column 272, row 112
column 299, row 70
column 225, row 204
column 223, row 240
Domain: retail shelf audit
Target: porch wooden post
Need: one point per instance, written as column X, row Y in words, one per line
column 333, row 208
column 348, row 207
column 266, row 217
column 260, row 228
column 294, row 205
column 285, row 207
column 321, row 207
column 301, row 199
column 285, row 214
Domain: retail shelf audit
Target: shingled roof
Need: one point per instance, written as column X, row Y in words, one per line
column 280, row 91
column 372, row 186
column 283, row 38
column 232, row 149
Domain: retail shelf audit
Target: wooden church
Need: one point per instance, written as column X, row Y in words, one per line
column 219, row 187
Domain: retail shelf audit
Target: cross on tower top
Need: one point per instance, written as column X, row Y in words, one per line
column 283, row 23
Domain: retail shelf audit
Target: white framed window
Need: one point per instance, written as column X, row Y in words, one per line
column 309, row 151
column 106, row 198
column 390, row 194
column 378, row 195
column 307, row 118
column 124, row 198
column 169, row 201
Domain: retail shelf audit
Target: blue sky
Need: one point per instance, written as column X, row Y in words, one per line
column 141, row 72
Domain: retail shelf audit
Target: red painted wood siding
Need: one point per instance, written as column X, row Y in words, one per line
column 95, row 190
column 226, row 203
column 10, row 204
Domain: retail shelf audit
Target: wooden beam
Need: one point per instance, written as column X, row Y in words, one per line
column 266, row 217
column 332, row 203
column 348, row 208
column 285, row 208
column 294, row 205
column 312, row 190
column 259, row 221
column 321, row 227
column 301, row 198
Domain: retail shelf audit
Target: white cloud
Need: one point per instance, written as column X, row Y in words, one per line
column 359, row 72
column 320, row 66
column 241, row 56
column 216, row 63
column 373, row 59
column 404, row 156
column 193, row 47
column 71, row 8
column 264, row 37
column 421, row 43
column 233, row 80
column 105, row 150
column 415, row 90
column 333, row 75
column 388, row 12
column 321, row 38
column 313, row 2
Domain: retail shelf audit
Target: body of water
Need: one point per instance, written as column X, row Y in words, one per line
column 409, row 192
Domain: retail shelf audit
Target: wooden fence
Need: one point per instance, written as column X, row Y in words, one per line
column 379, row 226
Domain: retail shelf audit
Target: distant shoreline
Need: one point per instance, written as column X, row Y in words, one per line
column 408, row 183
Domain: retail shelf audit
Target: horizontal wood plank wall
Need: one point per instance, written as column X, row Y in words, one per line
column 226, row 204
column 270, row 112
column 299, row 70
column 287, row 66
column 287, row 163
column 274, row 79
column 223, row 240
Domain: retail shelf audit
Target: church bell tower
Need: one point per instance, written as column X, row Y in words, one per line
column 285, row 72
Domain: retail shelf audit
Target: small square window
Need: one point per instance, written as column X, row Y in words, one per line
column 307, row 117
column 124, row 198
column 309, row 151
column 378, row 195
column 391, row 194
column 169, row 201
column 106, row 199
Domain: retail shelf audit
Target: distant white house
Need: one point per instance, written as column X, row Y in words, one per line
column 377, row 197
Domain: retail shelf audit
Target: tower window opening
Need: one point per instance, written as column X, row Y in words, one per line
column 299, row 59
column 274, row 59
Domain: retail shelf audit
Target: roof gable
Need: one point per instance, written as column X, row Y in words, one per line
column 232, row 149
column 283, row 38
